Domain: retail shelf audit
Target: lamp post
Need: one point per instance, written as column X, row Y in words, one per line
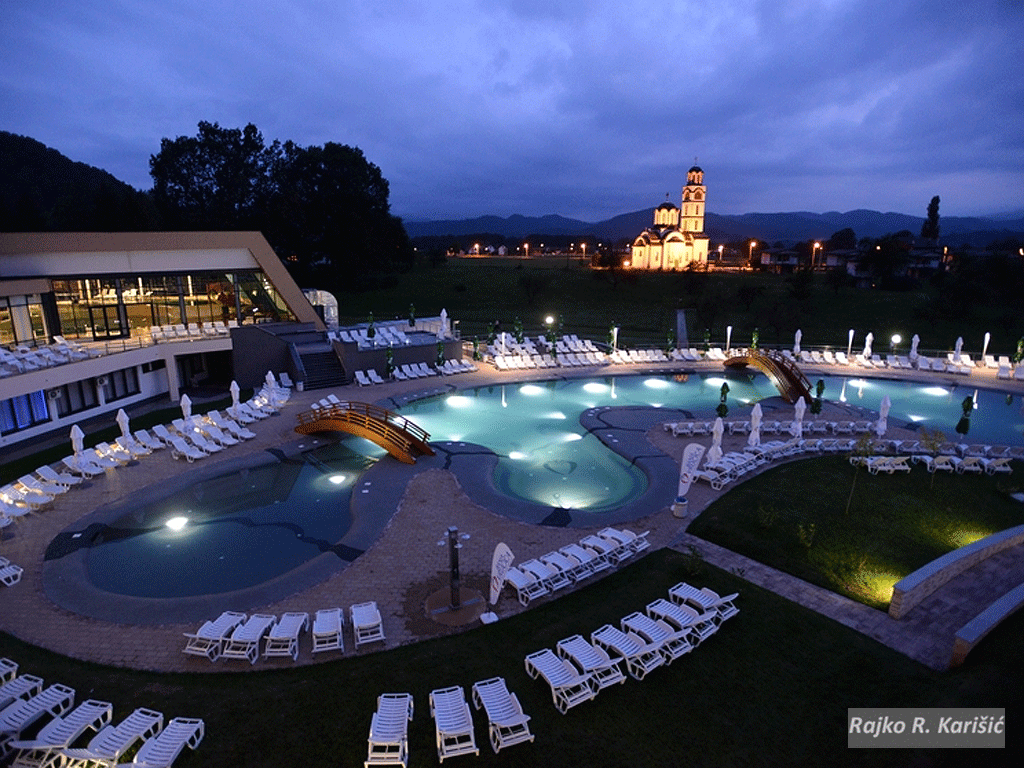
column 750, row 257
column 896, row 339
column 814, row 252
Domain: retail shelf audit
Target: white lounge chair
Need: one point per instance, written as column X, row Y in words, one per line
column 997, row 465
column 550, row 577
column 671, row 642
column 20, row 687
column 209, row 639
column 35, row 485
column 568, row 686
column 50, row 475
column 110, row 744
column 10, row 574
column 230, row 426
column 591, row 660
column 244, row 642
column 936, row 463
column 587, row 558
column 328, row 630
column 506, row 722
column 705, row 599
column 453, row 723
column 633, row 542
column 53, row 701
column 389, row 726
column 182, row 450
column 283, row 639
column 162, row 750
column 8, row 668
column 527, row 586
column 60, row 733
column 367, row 625
column 115, row 452
column 132, row 446
column 641, row 657
column 683, row 617
column 144, row 438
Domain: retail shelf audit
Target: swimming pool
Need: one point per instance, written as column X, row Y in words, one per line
column 249, row 527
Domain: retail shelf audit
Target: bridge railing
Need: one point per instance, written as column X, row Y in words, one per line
column 371, row 417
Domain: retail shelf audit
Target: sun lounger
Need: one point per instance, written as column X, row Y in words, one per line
column 147, row 440
column 162, row 750
column 113, row 741
column 367, row 625
column 182, row 450
column 209, row 640
column 702, row 623
column 8, row 668
column 602, row 548
column 527, row 586
column 936, row 463
column 10, row 574
column 641, row 657
column 671, row 642
column 328, row 630
column 635, row 542
column 82, row 466
column 997, row 465
column 244, row 642
column 704, row 599
column 230, row 426
column 389, row 726
column 35, row 485
column 132, row 447
column 506, row 722
column 115, row 452
column 587, row 558
column 568, row 686
column 50, row 475
column 53, row 701
column 591, row 660
column 60, row 733
column 283, row 639
column 20, row 687
column 453, row 723
column 551, row 578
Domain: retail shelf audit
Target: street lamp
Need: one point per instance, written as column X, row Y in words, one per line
column 750, row 258
column 896, row 339
column 720, row 249
column 814, row 251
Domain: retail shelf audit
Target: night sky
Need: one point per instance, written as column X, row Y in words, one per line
column 583, row 108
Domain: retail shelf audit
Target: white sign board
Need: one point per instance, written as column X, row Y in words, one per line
column 691, row 461
column 500, row 563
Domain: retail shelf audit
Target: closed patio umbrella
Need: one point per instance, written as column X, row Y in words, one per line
column 956, row 350
column 984, row 347
column 796, row 341
column 867, row 344
column 754, row 439
column 883, row 415
column 234, row 388
column 715, row 451
column 186, row 407
column 77, row 440
column 122, row 422
column 914, row 341
column 797, row 429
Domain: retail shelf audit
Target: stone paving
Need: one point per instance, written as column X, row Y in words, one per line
column 405, row 564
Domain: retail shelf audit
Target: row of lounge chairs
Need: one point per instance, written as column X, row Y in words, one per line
column 234, row 635
column 638, row 356
column 192, row 331
column 574, row 562
column 507, row 724
column 22, row 359
column 939, row 463
column 579, row 669
column 61, row 739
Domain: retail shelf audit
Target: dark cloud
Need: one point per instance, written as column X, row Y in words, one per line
column 586, row 109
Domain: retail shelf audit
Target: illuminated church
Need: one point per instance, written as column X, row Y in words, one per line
column 677, row 238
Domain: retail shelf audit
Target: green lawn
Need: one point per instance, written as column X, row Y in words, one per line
column 771, row 688
column 895, row 525
column 479, row 291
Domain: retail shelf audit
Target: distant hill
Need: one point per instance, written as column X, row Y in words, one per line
column 771, row 227
column 42, row 190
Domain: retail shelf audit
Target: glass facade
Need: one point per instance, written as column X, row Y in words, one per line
column 22, row 412
column 21, row 321
column 118, row 307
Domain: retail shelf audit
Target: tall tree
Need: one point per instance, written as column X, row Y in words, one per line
column 930, row 227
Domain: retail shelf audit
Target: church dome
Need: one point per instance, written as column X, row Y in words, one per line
column 696, row 169
column 667, row 206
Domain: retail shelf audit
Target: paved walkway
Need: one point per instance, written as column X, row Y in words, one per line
column 405, row 565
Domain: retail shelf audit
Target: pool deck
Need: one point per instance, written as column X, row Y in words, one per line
column 450, row 489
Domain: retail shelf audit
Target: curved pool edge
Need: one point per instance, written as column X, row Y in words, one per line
column 66, row 582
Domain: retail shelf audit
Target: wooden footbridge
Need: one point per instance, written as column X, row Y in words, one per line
column 394, row 433
column 782, row 372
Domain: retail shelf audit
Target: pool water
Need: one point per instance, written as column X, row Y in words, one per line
column 233, row 531
column 246, row 528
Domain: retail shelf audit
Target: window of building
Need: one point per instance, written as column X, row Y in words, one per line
column 22, row 412
column 76, row 397
column 119, row 384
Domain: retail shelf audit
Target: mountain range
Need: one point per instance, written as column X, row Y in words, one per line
column 770, row 227
column 42, row 189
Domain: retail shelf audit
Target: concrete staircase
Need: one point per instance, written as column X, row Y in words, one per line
column 323, row 368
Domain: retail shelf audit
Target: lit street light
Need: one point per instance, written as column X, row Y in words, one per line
column 814, row 252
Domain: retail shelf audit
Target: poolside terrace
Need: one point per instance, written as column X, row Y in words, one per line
column 426, row 500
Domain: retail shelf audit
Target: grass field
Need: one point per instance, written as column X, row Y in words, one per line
column 771, row 688
column 793, row 517
column 478, row 291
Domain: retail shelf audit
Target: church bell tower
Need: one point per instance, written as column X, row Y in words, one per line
column 691, row 217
